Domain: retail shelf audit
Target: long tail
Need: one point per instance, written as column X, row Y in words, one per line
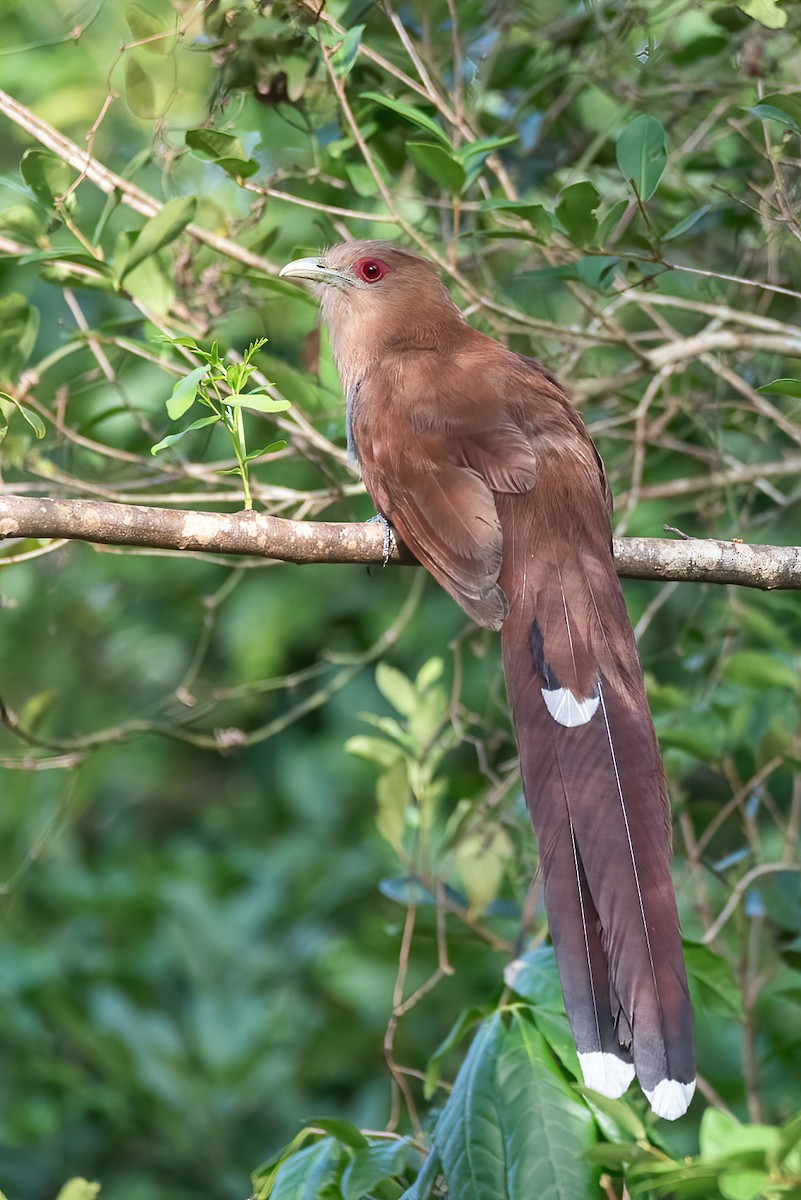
column 595, row 787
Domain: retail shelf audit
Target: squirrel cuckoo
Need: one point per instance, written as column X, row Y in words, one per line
column 478, row 459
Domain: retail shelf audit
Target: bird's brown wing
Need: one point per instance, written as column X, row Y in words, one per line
column 438, row 495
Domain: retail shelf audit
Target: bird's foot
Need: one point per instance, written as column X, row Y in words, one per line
column 389, row 536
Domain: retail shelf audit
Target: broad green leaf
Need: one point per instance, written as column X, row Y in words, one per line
column 609, row 222
column 344, row 1131
column 162, row 229
column 512, row 1119
column 686, row 224
column 743, row 1185
column 714, row 976
column 78, row 1189
column 642, row 155
column 783, row 387
column 723, row 1137
column 755, row 669
column 429, row 674
column 396, row 689
column 223, row 149
column 19, row 326
column 767, row 12
column 411, row 114
column 184, row 392
column 270, row 448
column 377, row 750
column 149, row 30
column 370, row 1166
column 457, row 1033
column 483, row 147
column 439, row 164
column 537, row 216
column 34, row 420
column 576, row 208
column 139, row 91
column 393, row 797
column 598, row 270
column 258, row 402
column 785, row 110
column 151, row 283
column 176, row 437
column 48, row 176
column 481, row 860
column 345, row 56
column 535, row 977
column 312, row 1174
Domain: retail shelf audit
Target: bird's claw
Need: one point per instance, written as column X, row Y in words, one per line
column 389, row 537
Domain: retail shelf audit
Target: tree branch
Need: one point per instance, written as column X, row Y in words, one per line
column 695, row 560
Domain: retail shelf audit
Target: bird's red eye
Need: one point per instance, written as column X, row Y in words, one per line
column 370, row 269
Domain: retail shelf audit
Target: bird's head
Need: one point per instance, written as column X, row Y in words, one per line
column 375, row 295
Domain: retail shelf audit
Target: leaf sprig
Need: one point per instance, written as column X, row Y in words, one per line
column 220, row 385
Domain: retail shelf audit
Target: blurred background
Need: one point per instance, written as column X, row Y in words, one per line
column 205, row 880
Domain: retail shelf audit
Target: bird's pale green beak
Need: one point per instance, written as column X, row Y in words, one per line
column 314, row 271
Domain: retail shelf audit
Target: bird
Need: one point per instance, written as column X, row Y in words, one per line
column 483, row 467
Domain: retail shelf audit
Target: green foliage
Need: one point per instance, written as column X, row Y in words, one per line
column 214, row 920
column 220, row 386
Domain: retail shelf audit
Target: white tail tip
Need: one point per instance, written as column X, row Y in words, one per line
column 567, row 710
column 605, row 1073
column 670, row 1099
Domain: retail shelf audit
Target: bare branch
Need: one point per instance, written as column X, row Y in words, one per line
column 695, row 560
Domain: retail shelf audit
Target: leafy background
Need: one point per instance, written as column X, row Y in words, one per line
column 264, row 856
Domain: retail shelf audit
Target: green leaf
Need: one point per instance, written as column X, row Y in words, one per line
column 742, row 1185
column 19, row 327
column 598, row 270
column 575, row 211
column 396, row 689
column 767, row 12
column 145, row 26
column 686, row 224
column 223, row 149
column 466, row 1020
column 378, row 1161
column 312, row 1174
column 785, row 110
column 723, row 1137
column 151, row 283
column 184, row 392
column 344, row 58
column 258, row 402
column 393, row 797
column 411, row 114
column 344, row 1131
column 376, row 750
column 270, row 448
column 512, row 1119
column 48, row 176
column 783, row 387
column 140, row 95
column 171, row 219
column 439, row 164
column 78, row 1189
column 755, row 669
column 610, row 221
column 715, row 978
column 482, row 147
column 34, row 420
column 537, row 216
column 176, row 437
column 642, row 155
column 481, row 859
column 535, row 977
